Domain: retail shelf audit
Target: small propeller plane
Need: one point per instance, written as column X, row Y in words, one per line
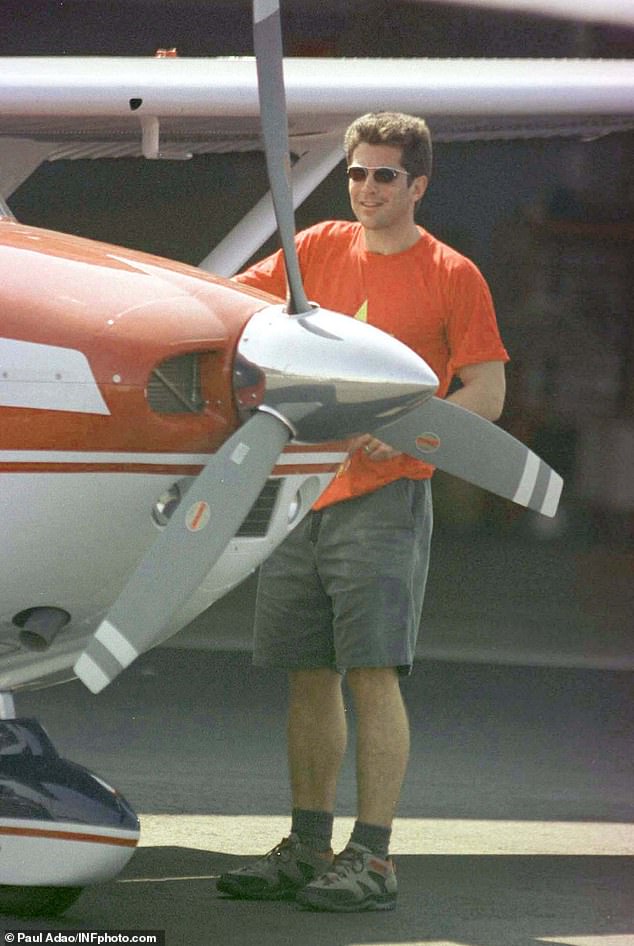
column 161, row 428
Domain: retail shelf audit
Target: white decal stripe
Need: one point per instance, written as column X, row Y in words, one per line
column 90, row 673
column 553, row 492
column 298, row 459
column 114, row 641
column 240, row 454
column 528, row 480
column 48, row 377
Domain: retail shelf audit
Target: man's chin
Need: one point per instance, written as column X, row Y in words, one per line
column 371, row 221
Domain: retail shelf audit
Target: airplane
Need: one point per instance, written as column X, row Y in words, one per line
column 161, row 428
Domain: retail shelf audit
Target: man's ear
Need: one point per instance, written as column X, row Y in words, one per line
column 419, row 186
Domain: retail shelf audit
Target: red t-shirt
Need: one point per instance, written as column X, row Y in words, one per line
column 430, row 297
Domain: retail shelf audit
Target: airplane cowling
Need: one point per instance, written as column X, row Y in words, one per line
column 61, row 826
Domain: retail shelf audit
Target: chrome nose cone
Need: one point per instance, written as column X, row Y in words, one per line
column 328, row 375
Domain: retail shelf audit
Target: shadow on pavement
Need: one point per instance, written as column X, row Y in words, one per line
column 465, row 900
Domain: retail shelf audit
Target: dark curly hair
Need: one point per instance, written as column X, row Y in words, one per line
column 397, row 130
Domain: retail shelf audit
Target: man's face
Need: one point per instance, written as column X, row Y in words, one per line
column 384, row 206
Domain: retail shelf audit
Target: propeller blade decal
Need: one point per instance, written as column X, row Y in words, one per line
column 267, row 41
column 198, row 532
column 463, row 443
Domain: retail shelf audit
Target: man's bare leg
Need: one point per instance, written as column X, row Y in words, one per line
column 364, row 877
column 316, row 737
column 382, row 742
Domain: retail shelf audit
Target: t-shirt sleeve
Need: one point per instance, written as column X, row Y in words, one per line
column 472, row 330
column 268, row 274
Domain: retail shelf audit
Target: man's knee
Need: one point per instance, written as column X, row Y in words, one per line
column 313, row 684
column 367, row 682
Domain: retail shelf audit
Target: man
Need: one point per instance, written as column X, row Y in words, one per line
column 344, row 593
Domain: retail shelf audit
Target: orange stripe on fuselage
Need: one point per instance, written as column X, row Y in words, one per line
column 45, row 467
column 68, row 836
column 282, row 469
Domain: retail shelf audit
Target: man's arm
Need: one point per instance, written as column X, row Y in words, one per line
column 483, row 389
column 268, row 274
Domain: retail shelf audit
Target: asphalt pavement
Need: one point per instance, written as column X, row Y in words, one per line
column 516, row 821
column 515, row 827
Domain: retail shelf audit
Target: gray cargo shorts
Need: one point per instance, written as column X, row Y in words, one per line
column 345, row 589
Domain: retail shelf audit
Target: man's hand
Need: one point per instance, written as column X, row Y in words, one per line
column 374, row 449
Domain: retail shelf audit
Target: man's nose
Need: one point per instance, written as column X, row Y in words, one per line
column 369, row 183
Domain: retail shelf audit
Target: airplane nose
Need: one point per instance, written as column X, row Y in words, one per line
column 328, row 375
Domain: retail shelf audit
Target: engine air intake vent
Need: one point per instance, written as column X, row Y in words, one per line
column 174, row 386
column 256, row 524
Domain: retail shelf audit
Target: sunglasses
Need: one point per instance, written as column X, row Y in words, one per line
column 382, row 175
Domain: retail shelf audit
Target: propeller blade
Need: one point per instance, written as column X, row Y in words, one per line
column 463, row 443
column 267, row 41
column 199, row 530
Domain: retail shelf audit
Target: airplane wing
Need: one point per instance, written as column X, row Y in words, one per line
column 617, row 12
column 65, row 107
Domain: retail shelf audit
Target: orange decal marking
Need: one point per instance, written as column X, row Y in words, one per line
column 198, row 516
column 427, row 442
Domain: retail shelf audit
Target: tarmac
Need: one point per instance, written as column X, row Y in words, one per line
column 516, row 823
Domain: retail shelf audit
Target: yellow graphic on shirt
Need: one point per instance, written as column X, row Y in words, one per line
column 362, row 314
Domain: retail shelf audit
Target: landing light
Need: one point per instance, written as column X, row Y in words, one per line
column 304, row 498
column 294, row 508
column 165, row 506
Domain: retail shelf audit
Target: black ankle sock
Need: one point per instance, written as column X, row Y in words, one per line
column 313, row 828
column 373, row 836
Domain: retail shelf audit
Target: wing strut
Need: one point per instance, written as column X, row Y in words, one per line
column 246, row 238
